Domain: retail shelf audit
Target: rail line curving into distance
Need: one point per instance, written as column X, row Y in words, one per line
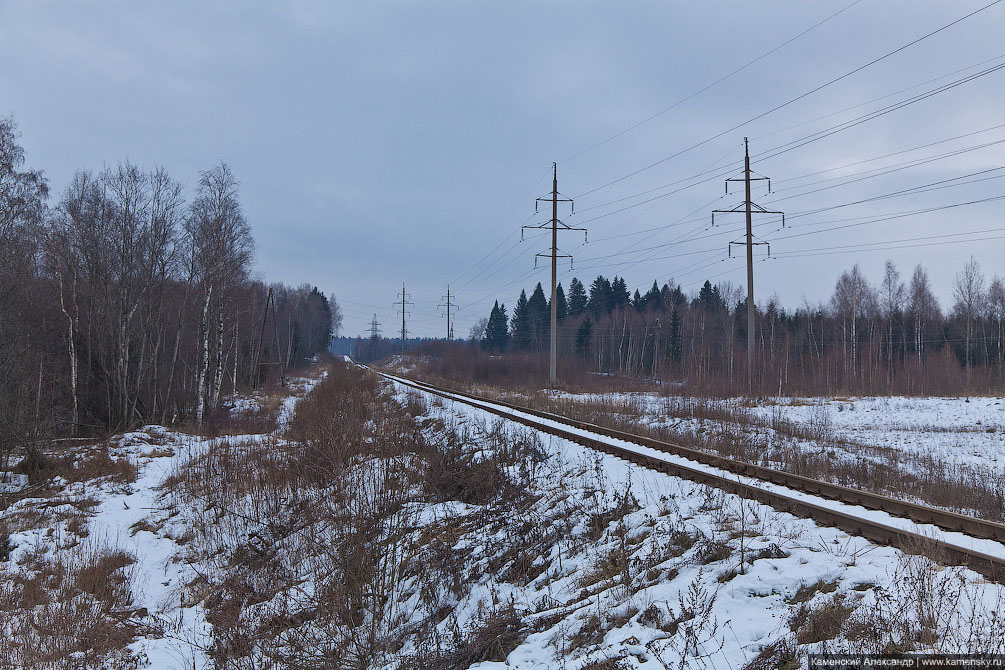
column 784, row 491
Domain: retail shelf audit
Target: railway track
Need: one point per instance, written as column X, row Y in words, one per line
column 725, row 474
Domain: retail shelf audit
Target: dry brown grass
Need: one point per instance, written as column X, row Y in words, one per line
column 97, row 463
column 79, row 608
column 262, row 418
column 335, row 497
column 821, row 622
column 736, row 433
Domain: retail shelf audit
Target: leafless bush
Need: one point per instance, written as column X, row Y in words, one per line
column 926, row 606
column 455, row 472
column 606, row 664
column 821, row 622
column 779, row 655
column 94, row 463
column 491, row 636
column 54, row 610
column 693, row 629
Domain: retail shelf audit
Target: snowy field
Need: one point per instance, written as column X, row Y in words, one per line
column 917, row 448
column 601, row 564
column 674, row 607
column 958, row 430
column 964, row 431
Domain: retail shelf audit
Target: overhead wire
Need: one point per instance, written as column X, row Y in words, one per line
column 796, row 98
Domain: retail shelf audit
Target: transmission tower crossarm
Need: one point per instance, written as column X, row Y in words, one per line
column 404, row 302
column 556, row 225
column 749, row 208
column 448, row 303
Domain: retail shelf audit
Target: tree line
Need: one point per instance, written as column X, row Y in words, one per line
column 893, row 337
column 122, row 302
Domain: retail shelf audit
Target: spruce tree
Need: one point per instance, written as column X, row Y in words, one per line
column 600, row 296
column 620, row 297
column 675, row 349
column 539, row 318
column 577, row 297
column 520, row 324
column 562, row 306
column 496, row 333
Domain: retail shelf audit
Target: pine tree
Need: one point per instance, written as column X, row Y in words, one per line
column 577, row 297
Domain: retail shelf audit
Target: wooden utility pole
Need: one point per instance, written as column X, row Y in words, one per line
column 404, row 302
column 448, row 304
column 749, row 207
column 555, row 225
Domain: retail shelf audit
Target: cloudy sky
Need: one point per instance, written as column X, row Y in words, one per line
column 387, row 142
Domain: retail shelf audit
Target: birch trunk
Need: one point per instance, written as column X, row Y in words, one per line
column 218, row 377
column 71, row 350
column 200, row 388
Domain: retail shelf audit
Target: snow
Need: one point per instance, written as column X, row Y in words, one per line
column 745, row 611
column 751, row 609
column 140, row 519
column 963, row 431
column 155, row 451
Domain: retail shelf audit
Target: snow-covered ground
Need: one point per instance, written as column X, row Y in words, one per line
column 941, row 451
column 600, row 560
column 680, row 607
column 120, row 521
column 963, row 431
column 70, row 521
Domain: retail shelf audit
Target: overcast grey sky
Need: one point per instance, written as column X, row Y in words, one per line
column 381, row 142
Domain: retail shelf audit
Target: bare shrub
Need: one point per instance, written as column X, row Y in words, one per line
column 337, row 498
column 779, row 655
column 56, row 609
column 692, row 628
column 96, row 463
column 491, row 636
column 928, row 607
column 606, row 664
column 821, row 622
column 454, row 472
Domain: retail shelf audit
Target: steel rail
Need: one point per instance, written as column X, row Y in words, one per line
column 991, row 567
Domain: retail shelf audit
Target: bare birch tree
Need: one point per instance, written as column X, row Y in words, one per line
column 222, row 249
column 968, row 289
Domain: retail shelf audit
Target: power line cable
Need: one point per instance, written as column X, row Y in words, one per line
column 712, row 85
column 795, row 99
